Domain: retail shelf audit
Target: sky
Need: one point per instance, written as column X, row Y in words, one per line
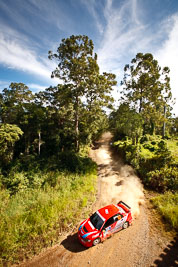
column 119, row 29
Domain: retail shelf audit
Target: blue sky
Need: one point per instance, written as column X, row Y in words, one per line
column 119, row 29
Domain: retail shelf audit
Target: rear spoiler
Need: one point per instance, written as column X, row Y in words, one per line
column 124, row 206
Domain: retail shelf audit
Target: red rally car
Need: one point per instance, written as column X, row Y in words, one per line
column 103, row 223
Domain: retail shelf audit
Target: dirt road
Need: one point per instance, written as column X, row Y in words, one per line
column 145, row 243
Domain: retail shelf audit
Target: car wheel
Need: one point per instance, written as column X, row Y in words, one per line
column 96, row 241
column 125, row 225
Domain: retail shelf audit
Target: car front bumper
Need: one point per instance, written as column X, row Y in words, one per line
column 84, row 242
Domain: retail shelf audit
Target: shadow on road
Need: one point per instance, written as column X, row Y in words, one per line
column 169, row 257
column 72, row 244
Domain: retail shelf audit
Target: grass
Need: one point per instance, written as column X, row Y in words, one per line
column 173, row 147
column 167, row 205
column 32, row 218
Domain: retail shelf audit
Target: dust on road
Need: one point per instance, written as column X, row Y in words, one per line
column 117, row 180
column 135, row 246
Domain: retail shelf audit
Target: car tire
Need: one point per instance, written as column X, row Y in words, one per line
column 96, row 241
column 125, row 225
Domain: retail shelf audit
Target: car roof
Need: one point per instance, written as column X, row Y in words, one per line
column 108, row 211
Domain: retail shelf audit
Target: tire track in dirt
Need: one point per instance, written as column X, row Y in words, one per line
column 131, row 247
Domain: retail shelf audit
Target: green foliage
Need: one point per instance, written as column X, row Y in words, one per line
column 147, row 87
column 129, row 151
column 164, row 179
column 126, row 122
column 152, row 138
column 167, row 205
column 75, row 163
column 30, row 218
column 16, row 182
column 9, row 135
column 173, row 147
column 152, row 160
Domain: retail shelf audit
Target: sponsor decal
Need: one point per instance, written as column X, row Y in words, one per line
column 108, row 228
column 106, row 211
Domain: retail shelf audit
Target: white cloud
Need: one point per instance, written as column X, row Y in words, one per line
column 36, row 87
column 167, row 55
column 121, row 36
column 16, row 54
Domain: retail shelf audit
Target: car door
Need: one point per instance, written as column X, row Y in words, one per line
column 108, row 227
column 120, row 219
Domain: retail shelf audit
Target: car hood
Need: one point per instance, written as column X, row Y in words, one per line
column 87, row 229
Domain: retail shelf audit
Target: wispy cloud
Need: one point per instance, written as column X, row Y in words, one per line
column 122, row 35
column 17, row 54
column 167, row 54
column 92, row 6
column 36, row 87
column 34, row 17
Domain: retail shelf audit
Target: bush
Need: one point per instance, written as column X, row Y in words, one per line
column 16, row 182
column 167, row 204
column 149, row 146
column 152, row 138
column 163, row 179
column 152, row 160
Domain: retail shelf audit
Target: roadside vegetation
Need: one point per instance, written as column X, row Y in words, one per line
column 167, row 205
column 146, row 134
column 38, row 205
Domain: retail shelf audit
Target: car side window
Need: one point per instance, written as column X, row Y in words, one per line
column 109, row 222
column 118, row 217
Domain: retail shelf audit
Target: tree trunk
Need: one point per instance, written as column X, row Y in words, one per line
column 140, row 107
column 39, row 142
column 164, row 123
column 152, row 128
column 76, row 126
column 27, row 146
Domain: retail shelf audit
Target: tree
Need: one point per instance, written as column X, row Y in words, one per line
column 16, row 102
column 79, row 70
column 58, row 132
column 147, row 87
column 126, row 122
column 9, row 135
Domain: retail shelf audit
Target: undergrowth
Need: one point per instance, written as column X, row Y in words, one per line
column 155, row 160
column 33, row 213
column 167, row 205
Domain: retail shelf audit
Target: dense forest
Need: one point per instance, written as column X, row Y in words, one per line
column 46, row 176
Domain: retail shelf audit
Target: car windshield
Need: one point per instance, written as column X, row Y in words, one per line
column 96, row 220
